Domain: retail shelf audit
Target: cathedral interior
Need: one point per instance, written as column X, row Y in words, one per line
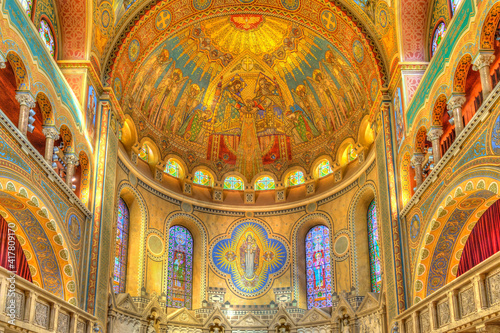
column 249, row 166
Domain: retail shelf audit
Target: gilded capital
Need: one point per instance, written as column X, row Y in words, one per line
column 435, row 133
column 483, row 59
column 456, row 101
column 417, row 159
column 25, row 98
column 71, row 159
column 50, row 132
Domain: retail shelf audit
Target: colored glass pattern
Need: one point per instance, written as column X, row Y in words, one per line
column 47, row 36
column 173, row 168
column 180, row 268
column 202, row 178
column 351, row 153
column 296, row 178
column 233, row 183
column 28, row 6
column 454, row 5
column 373, row 246
column 144, row 153
column 438, row 36
column 318, row 269
column 265, row 183
column 324, row 169
column 121, row 247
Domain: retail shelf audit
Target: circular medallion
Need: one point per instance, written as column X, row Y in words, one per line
column 341, row 245
column 311, row 207
column 382, row 18
column 105, row 18
column 290, row 4
column 374, row 89
column 134, row 50
column 155, row 245
column 201, row 4
column 163, row 20
column 414, row 227
column 358, row 51
column 329, row 20
column 74, row 229
column 186, row 207
column 117, row 88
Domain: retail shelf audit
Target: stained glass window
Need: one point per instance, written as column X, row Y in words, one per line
column 265, row 183
column 351, row 153
column 454, row 5
column 319, row 288
column 438, row 36
column 324, row 169
column 202, row 178
column 233, row 183
column 121, row 245
column 47, row 36
column 180, row 268
column 144, row 153
column 173, row 168
column 28, row 6
column 296, row 178
column 373, row 246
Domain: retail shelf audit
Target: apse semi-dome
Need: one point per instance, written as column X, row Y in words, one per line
column 248, row 89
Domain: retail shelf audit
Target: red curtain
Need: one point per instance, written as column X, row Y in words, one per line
column 16, row 260
column 484, row 240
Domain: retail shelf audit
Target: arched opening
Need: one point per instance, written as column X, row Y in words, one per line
column 441, row 118
column 62, row 147
column 264, row 183
column 374, row 247
column 129, row 133
column 323, row 169
column 422, row 146
column 295, row 178
column 46, row 31
column 468, row 82
column 173, row 168
column 318, row 267
column 121, row 247
column 437, row 36
column 180, row 268
column 203, row 178
column 10, row 83
column 234, row 183
column 483, row 241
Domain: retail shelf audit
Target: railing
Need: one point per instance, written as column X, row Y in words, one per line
column 28, row 148
column 471, row 300
column 454, row 149
column 25, row 307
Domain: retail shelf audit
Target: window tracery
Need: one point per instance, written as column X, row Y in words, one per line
column 296, row 178
column 121, row 247
column 318, row 268
column 265, row 183
column 173, row 168
column 180, row 268
column 144, row 153
column 233, row 183
column 324, row 169
column 202, row 178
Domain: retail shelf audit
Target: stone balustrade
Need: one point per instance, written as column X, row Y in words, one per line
column 471, row 302
column 28, row 308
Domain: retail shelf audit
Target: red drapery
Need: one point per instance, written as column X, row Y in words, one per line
column 484, row 240
column 16, row 260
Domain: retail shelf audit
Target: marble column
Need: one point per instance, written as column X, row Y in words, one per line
column 482, row 64
column 27, row 102
column 434, row 135
column 416, row 162
column 455, row 105
column 51, row 135
column 72, row 162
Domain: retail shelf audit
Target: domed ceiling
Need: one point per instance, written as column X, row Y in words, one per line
column 246, row 87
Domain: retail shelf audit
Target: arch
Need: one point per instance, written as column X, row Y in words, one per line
column 264, row 183
column 153, row 153
column 52, row 266
column 421, row 142
column 344, row 155
column 174, row 168
column 47, row 33
column 21, row 74
column 489, row 28
column 261, row 175
column 357, row 225
column 84, row 177
column 318, row 267
column 437, row 35
column 295, row 177
column 66, row 138
column 203, row 176
column 234, row 182
column 200, row 241
column 300, row 230
column 323, row 169
column 366, row 135
column 129, row 133
column 445, row 235
column 137, row 234
column 461, row 72
column 46, row 109
column 180, row 257
column 438, row 110
column 374, row 247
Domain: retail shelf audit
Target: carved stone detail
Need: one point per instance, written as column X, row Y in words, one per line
column 425, row 322
column 467, row 302
column 443, row 314
column 409, row 326
column 482, row 60
column 42, row 315
column 493, row 283
column 19, row 304
column 81, row 327
column 62, row 323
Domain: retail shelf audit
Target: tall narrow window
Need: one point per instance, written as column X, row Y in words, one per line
column 350, row 154
column 121, row 245
column 265, row 183
column 28, row 6
column 180, row 268
column 373, row 245
column 233, row 183
column 319, row 289
column 47, row 36
column 296, row 178
column 438, row 36
column 454, row 5
column 144, row 153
